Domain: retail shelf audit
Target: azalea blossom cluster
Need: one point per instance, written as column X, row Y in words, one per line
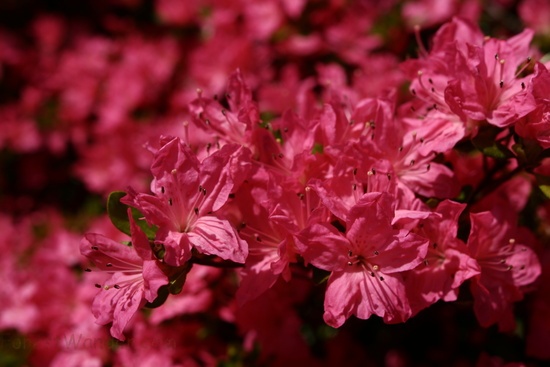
column 360, row 189
column 276, row 182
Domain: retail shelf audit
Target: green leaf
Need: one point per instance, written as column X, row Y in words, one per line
column 118, row 213
column 497, row 151
column 545, row 190
column 317, row 148
column 177, row 282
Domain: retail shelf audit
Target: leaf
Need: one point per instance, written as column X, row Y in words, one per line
column 177, row 283
column 545, row 190
column 118, row 213
column 497, row 151
column 543, row 183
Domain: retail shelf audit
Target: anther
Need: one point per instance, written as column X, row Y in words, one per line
column 501, row 83
column 108, row 265
column 355, row 171
column 382, row 278
column 95, row 248
column 510, row 267
column 375, row 267
column 116, row 286
column 162, row 190
column 350, row 254
column 522, row 85
column 389, row 176
column 170, row 202
column 196, row 210
column 174, row 171
column 354, row 187
column 372, row 274
column 376, row 253
column 97, row 285
column 87, row 270
column 223, row 111
column 511, row 241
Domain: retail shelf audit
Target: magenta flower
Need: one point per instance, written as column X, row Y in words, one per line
column 187, row 193
column 137, row 277
column 506, row 267
column 447, row 264
column 536, row 125
column 474, row 77
column 366, row 262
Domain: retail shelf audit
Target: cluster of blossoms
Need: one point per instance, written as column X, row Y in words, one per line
column 358, row 189
column 291, row 185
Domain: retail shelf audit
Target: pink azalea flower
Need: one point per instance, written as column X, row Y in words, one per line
column 186, row 195
column 365, row 262
column 447, row 264
column 137, row 277
column 536, row 125
column 270, row 227
column 506, row 266
column 474, row 77
column 390, row 138
column 535, row 14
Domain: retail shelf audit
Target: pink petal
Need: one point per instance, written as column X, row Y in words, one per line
column 216, row 236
